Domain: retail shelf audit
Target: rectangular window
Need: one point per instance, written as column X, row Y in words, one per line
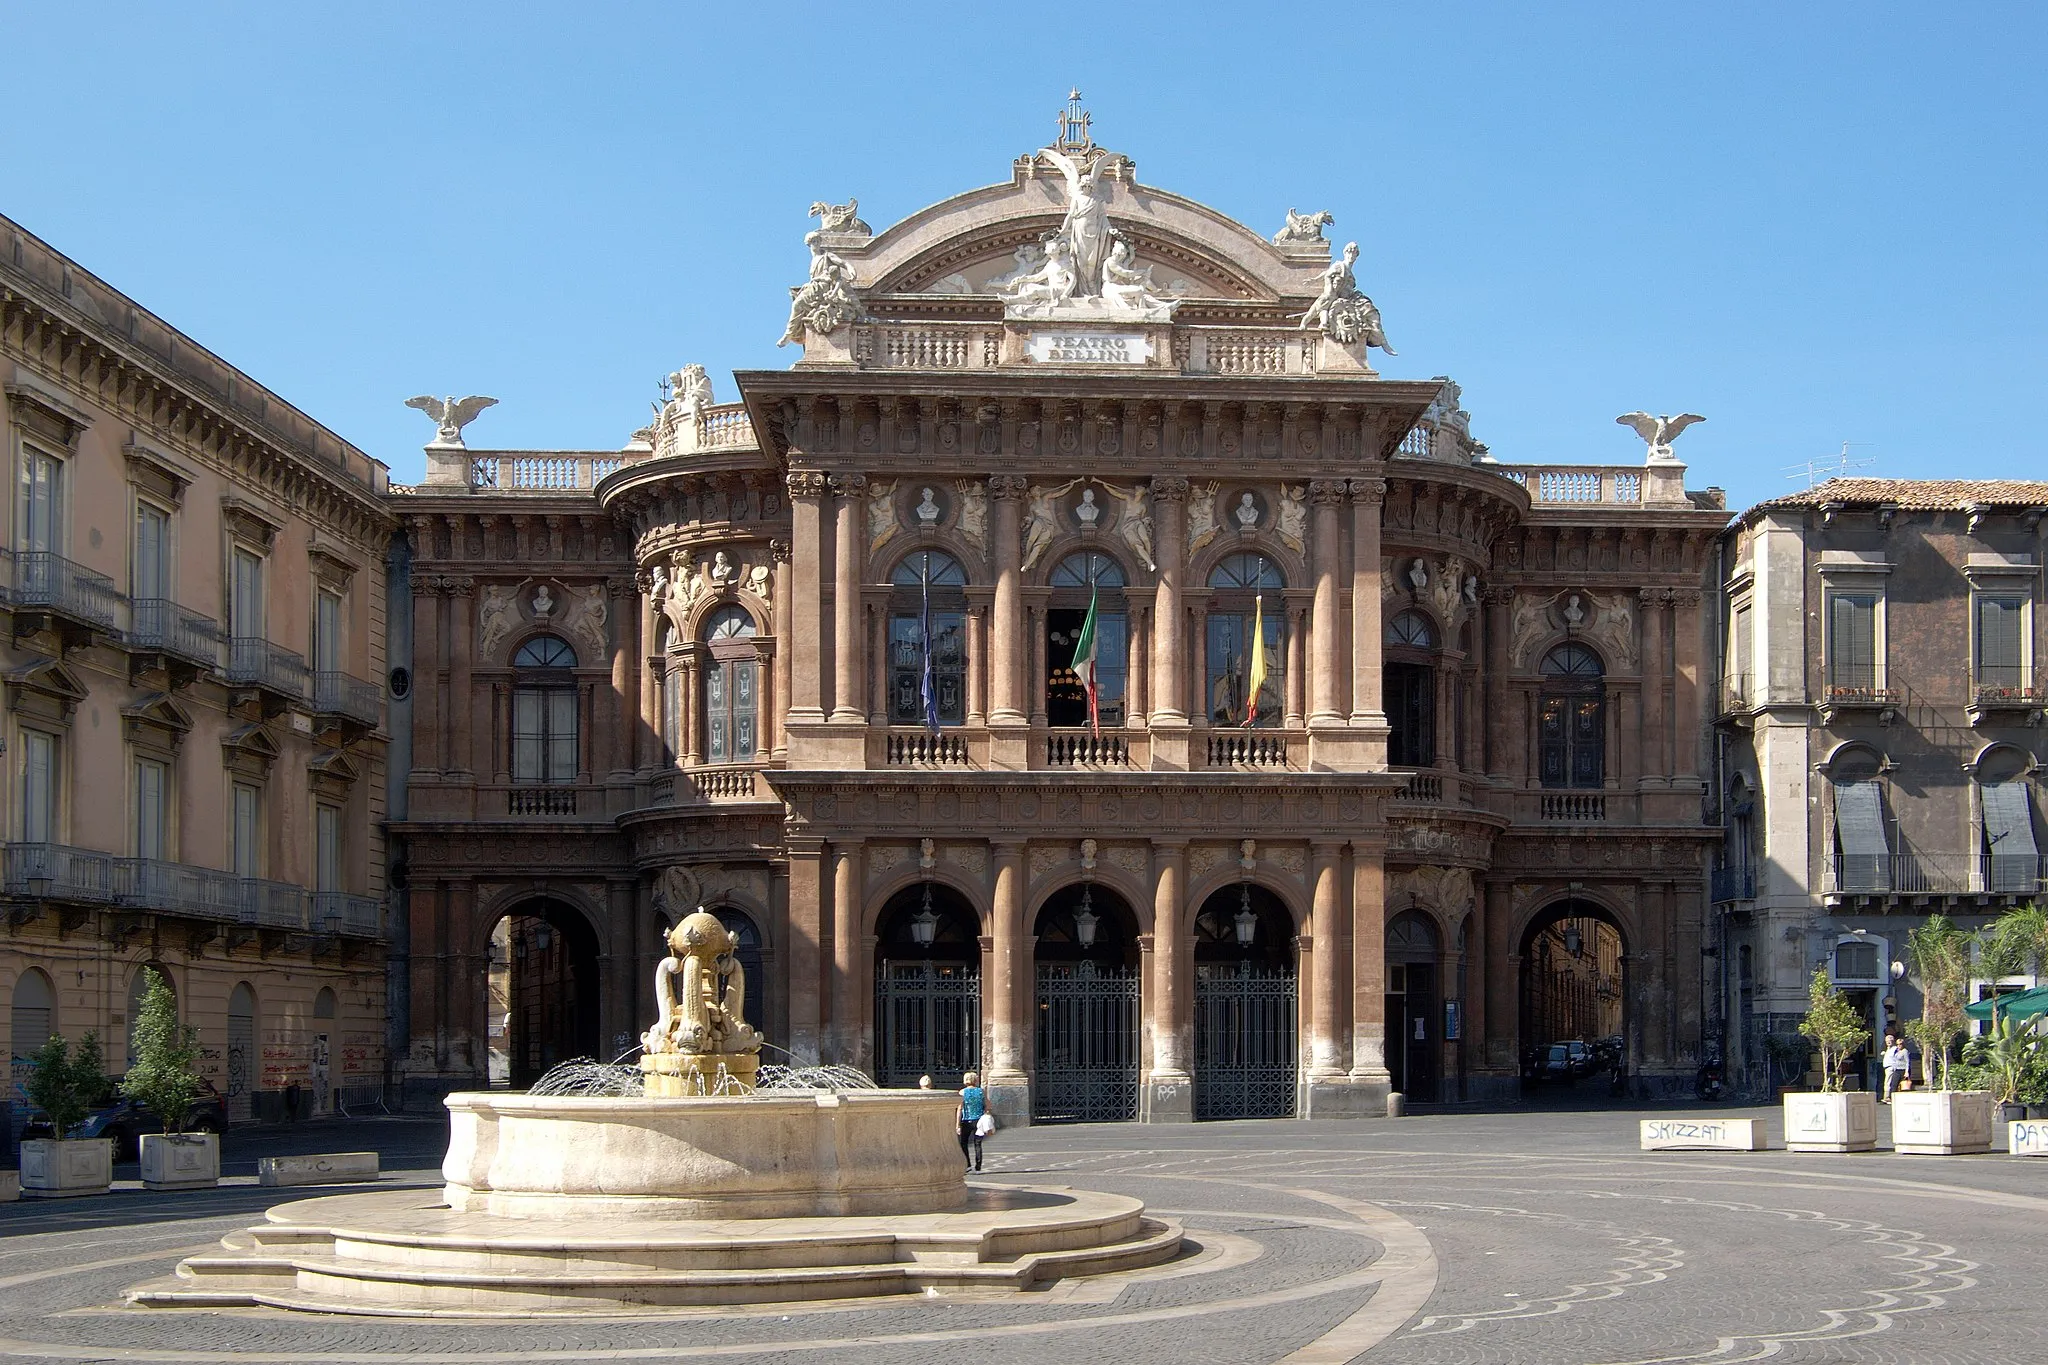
column 671, row 710
column 544, row 734
column 39, row 788
column 1864, row 852
column 327, row 848
column 152, row 788
column 245, row 852
column 245, row 599
column 150, row 575
column 1852, row 643
column 42, row 502
column 2001, row 641
column 327, row 633
column 949, row 667
column 1740, row 691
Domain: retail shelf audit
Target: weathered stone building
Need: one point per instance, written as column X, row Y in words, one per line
column 816, row 659
column 192, row 606
column 1880, row 736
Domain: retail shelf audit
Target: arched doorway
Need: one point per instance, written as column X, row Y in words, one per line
column 1574, row 990
column 927, row 987
column 544, row 981
column 31, row 1021
column 241, row 1052
column 1086, row 1053
column 1245, row 1006
column 1414, row 1033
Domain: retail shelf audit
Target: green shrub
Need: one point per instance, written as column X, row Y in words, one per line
column 65, row 1084
column 1834, row 1026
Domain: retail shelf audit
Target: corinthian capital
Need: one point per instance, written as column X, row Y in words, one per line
column 1170, row 488
column 806, row 484
column 1369, row 492
column 1008, row 487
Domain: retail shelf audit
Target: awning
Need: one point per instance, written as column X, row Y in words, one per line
column 2019, row 1005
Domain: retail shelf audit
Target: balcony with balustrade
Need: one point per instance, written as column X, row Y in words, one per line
column 271, row 905
column 56, row 873
column 353, row 916
column 542, row 472
column 178, row 889
column 2005, row 696
column 1934, row 879
column 1857, row 692
column 53, row 592
column 1731, row 884
column 181, row 639
column 279, row 675
column 347, row 701
column 1113, row 748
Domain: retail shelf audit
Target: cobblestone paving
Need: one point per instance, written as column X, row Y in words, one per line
column 1458, row 1238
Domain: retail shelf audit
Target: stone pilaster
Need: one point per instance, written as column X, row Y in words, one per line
column 785, row 647
column 806, row 625
column 1171, row 737
column 847, row 546
column 1169, row 1094
column 1368, row 714
column 1009, row 992
column 1006, row 626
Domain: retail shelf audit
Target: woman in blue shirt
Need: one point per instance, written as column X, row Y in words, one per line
column 973, row 1104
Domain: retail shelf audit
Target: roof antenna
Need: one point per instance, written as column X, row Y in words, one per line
column 1828, row 466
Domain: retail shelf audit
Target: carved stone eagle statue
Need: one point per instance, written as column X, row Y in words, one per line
column 1659, row 432
column 450, row 414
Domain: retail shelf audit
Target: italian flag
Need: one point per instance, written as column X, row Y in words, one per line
column 1255, row 676
column 1084, row 663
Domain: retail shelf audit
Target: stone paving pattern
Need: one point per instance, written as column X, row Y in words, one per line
column 1553, row 1240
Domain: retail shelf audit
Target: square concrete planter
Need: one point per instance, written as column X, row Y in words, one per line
column 1941, row 1122
column 62, row 1170
column 180, row 1161
column 1820, row 1121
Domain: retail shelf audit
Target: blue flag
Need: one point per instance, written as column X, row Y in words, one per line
column 927, row 686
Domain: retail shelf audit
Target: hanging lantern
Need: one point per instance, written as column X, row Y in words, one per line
column 1245, row 921
column 924, row 925
column 1085, row 919
column 1573, row 942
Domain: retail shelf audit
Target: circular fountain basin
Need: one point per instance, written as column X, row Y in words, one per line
column 847, row 1153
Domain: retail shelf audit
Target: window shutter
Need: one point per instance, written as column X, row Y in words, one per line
column 1859, row 829
column 1999, row 657
column 526, row 735
column 2009, row 838
column 1853, row 641
column 562, row 735
column 149, row 809
column 38, row 788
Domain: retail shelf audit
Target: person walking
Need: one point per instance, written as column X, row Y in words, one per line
column 1897, row 1062
column 973, row 1108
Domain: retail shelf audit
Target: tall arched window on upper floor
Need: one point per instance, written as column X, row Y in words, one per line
column 1245, row 588
column 671, row 693
column 928, row 619
column 1079, row 582
column 1571, row 724
column 544, row 711
column 1409, row 690
column 732, row 688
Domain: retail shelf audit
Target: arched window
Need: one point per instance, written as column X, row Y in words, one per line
column 1246, row 588
column 1572, row 719
column 1409, row 690
column 544, row 711
column 671, row 694
column 731, row 688
column 928, row 620
column 1079, row 581
column 34, row 1016
column 325, row 1005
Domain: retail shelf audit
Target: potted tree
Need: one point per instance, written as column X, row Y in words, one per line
column 1940, row 1121
column 1831, row 1119
column 65, row 1084
column 1999, row 1060
column 165, row 1078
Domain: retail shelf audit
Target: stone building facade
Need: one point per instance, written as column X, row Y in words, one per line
column 192, row 610
column 1879, row 736
column 810, row 659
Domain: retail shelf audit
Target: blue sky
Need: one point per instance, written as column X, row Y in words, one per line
column 1814, row 223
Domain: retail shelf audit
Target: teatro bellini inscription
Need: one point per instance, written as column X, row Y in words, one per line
column 1091, row 348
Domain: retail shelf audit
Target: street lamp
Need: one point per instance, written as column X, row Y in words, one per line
column 1573, row 941
column 924, row 925
column 1085, row 919
column 1244, row 921
column 543, row 936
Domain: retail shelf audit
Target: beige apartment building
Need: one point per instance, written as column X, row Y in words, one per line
column 192, row 607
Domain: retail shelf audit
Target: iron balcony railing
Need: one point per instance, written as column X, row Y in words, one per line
column 177, row 888
column 272, row 905
column 255, row 662
column 1934, row 874
column 159, row 624
column 53, row 583
column 340, row 912
column 1734, row 884
column 339, row 694
column 58, row 872
column 1735, row 695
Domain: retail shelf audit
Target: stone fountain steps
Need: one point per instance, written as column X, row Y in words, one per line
column 396, row 1252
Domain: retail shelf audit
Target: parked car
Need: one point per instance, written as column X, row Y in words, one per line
column 1570, row 1060
column 126, row 1120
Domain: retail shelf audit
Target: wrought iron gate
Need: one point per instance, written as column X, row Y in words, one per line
column 1087, row 1059
column 1245, row 1044
column 928, row 1018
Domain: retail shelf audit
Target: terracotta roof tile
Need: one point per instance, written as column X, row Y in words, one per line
column 1929, row 495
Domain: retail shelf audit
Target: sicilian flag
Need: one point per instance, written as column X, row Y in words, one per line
column 1255, row 676
column 1084, row 663
column 927, row 686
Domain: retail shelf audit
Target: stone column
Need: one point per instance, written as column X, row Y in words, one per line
column 844, row 1031
column 468, row 742
column 1368, row 712
column 1474, row 1003
column 1293, row 703
column 806, row 620
column 428, row 638
column 1167, row 681
column 977, row 665
column 1656, row 758
column 847, row 547
column 806, row 939
column 1499, row 727
column 1503, row 1028
column 618, row 712
column 1009, row 991
column 1327, row 495
column 1369, row 970
column 1170, row 1089
column 1685, row 682
column 1137, row 701
column 1006, row 620
column 1034, row 682
column 1329, row 1044
column 785, row 646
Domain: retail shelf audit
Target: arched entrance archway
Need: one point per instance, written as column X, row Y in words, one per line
column 1246, row 1006
column 1086, row 1040
column 927, row 987
column 1574, row 993
column 1414, row 1032
column 543, row 991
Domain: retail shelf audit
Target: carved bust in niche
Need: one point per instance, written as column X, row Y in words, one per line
column 928, row 509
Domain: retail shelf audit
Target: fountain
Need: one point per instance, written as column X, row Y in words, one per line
column 705, row 1189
